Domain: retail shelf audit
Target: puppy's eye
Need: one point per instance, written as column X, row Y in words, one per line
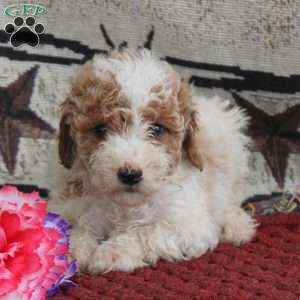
column 100, row 130
column 156, row 130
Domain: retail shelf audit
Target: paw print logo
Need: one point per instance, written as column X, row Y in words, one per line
column 24, row 32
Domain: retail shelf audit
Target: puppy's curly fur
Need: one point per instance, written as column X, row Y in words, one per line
column 182, row 160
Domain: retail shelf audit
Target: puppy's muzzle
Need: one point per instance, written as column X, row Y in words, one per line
column 129, row 176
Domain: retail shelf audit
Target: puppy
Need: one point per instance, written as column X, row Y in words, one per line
column 153, row 171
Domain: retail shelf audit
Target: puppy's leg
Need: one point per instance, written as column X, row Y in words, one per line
column 238, row 227
column 145, row 245
column 123, row 252
column 82, row 247
column 82, row 243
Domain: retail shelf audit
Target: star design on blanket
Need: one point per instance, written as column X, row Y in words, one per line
column 275, row 136
column 17, row 119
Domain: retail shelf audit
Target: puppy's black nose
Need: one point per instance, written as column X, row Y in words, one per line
column 130, row 176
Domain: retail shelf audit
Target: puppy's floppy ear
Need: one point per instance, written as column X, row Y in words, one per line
column 192, row 142
column 66, row 147
column 192, row 139
column 81, row 81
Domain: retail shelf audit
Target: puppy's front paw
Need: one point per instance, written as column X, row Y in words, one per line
column 102, row 260
column 82, row 247
column 239, row 227
column 108, row 258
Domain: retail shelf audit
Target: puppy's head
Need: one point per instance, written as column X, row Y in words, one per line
column 127, row 121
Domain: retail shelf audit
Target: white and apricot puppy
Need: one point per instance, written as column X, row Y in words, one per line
column 154, row 171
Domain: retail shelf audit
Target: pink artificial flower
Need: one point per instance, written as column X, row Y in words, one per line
column 28, row 250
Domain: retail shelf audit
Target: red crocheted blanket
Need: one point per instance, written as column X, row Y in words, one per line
column 267, row 268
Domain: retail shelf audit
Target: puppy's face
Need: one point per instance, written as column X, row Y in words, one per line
column 126, row 121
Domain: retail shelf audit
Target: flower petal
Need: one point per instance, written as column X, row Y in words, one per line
column 8, row 285
column 3, row 240
column 5, row 273
column 30, row 239
column 12, row 296
column 23, row 264
column 10, row 223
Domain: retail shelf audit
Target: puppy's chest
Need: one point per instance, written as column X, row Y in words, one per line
column 134, row 217
column 105, row 222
